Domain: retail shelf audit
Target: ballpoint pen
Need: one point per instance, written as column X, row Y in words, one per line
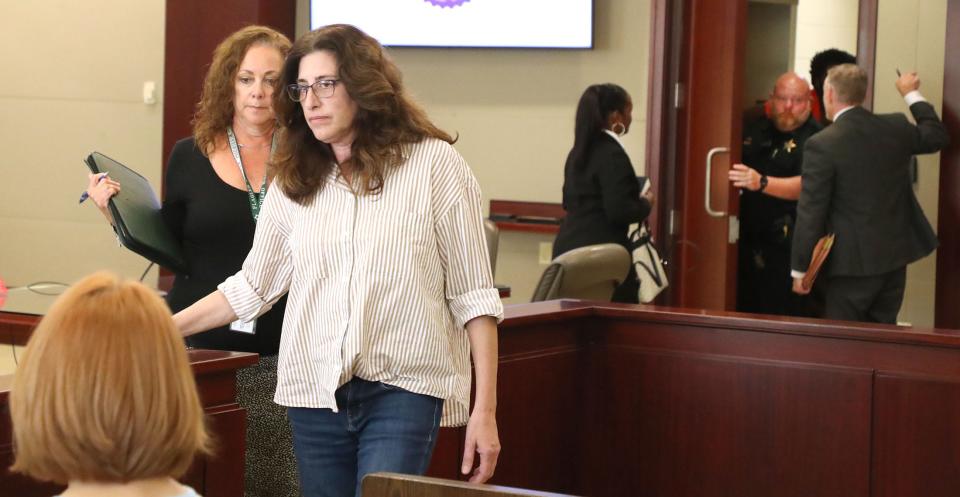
column 85, row 195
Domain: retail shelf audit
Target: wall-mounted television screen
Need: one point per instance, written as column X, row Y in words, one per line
column 464, row 23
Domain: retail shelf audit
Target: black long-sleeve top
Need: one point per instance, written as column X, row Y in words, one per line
column 213, row 223
column 602, row 198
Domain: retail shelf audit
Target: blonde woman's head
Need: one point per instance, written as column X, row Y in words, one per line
column 104, row 390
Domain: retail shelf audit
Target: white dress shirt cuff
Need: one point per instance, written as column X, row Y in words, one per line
column 475, row 303
column 913, row 97
column 797, row 274
column 241, row 296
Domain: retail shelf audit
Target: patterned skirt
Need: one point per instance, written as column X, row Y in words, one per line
column 271, row 468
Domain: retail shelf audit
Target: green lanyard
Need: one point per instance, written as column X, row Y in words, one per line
column 255, row 200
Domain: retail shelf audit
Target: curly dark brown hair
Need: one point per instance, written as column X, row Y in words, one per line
column 387, row 118
column 215, row 108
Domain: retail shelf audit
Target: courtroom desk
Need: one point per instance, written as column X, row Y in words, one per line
column 218, row 476
column 622, row 400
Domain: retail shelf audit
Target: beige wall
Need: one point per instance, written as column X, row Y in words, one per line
column 514, row 112
column 911, row 36
column 823, row 24
column 513, row 109
column 771, row 36
column 72, row 83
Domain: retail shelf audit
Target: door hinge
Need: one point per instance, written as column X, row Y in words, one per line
column 678, row 96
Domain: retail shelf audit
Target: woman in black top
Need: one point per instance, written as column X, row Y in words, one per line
column 215, row 182
column 600, row 190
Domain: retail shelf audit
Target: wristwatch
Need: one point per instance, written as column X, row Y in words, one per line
column 763, row 183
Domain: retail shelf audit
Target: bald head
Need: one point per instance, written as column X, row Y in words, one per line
column 791, row 82
column 791, row 102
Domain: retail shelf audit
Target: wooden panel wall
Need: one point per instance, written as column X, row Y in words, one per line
column 193, row 30
column 613, row 400
column 948, row 217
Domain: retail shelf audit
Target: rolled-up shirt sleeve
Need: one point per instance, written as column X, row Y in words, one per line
column 265, row 274
column 463, row 253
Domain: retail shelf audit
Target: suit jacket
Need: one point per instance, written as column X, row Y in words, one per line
column 602, row 198
column 856, row 184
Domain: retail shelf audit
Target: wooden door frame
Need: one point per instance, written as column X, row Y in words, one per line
column 664, row 122
column 947, row 313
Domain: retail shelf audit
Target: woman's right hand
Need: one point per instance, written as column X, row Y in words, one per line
column 100, row 191
column 649, row 195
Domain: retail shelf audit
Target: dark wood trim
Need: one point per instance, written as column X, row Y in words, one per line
column 947, row 312
column 528, row 227
column 867, row 45
column 532, row 217
column 604, row 399
column 15, row 328
column 664, row 129
column 658, row 103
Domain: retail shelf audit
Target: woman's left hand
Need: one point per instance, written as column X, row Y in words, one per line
column 482, row 438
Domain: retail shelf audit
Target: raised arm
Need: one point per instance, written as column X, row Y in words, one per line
column 930, row 135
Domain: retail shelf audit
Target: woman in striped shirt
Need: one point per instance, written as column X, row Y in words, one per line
column 374, row 227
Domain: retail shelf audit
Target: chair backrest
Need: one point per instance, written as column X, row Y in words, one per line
column 549, row 285
column 492, row 234
column 590, row 273
column 397, row 485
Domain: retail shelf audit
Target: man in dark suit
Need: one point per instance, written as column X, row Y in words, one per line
column 856, row 184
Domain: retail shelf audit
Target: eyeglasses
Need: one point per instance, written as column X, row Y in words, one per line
column 323, row 88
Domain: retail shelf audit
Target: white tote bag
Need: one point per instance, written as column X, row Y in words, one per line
column 647, row 263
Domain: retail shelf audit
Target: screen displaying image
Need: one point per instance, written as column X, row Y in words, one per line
column 464, row 23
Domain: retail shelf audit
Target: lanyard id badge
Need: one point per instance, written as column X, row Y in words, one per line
column 256, row 200
column 244, row 326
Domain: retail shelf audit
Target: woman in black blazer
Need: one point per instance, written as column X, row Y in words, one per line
column 600, row 190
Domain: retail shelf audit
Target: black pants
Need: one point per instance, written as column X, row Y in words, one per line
column 627, row 292
column 873, row 299
column 764, row 284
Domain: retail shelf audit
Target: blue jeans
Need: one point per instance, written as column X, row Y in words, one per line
column 379, row 428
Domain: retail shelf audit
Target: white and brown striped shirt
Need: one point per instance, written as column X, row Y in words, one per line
column 380, row 287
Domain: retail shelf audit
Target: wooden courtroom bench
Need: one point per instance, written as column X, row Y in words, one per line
column 397, row 485
column 621, row 400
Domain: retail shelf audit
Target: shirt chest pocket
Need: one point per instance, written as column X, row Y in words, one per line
column 311, row 257
column 402, row 233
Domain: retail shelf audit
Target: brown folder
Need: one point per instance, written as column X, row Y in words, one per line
column 820, row 252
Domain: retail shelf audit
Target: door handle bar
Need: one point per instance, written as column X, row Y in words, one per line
column 706, row 186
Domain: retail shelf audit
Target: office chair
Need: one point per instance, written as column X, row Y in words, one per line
column 589, row 273
column 492, row 234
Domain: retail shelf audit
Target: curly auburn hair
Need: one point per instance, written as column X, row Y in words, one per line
column 387, row 118
column 215, row 108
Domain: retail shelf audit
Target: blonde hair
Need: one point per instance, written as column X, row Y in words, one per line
column 104, row 390
column 849, row 83
column 215, row 109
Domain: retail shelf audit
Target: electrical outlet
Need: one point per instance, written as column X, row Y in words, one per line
column 546, row 252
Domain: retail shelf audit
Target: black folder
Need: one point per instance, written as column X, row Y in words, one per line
column 136, row 215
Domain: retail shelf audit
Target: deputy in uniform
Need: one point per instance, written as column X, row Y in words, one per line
column 769, row 179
